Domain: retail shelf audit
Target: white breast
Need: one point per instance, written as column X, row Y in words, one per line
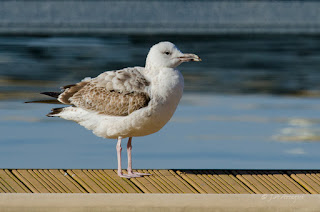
column 166, row 92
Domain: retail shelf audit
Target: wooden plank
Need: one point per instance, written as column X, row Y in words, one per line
column 48, row 181
column 316, row 175
column 231, row 181
column 5, row 187
column 140, row 185
column 166, row 185
column 20, row 187
column 242, row 185
column 163, row 187
column 62, row 188
column 68, row 181
column 105, row 181
column 95, row 188
column 183, row 182
column 257, row 180
column 153, row 181
column 278, row 184
column 42, row 180
column 295, row 187
column 197, row 178
column 171, row 180
column 210, row 182
column 6, row 182
column 120, row 185
column 56, row 181
column 308, row 174
column 38, row 177
column 99, row 182
column 136, row 185
column 220, row 182
column 28, row 179
column 25, row 181
column 282, row 186
column 13, row 182
column 2, row 191
column 144, row 184
column 301, row 177
column 264, row 185
column 246, row 181
column 168, row 181
column 262, row 177
column 197, row 181
column 283, row 180
column 191, row 182
column 80, row 181
column 174, row 181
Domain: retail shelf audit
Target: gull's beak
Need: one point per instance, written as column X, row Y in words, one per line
column 189, row 57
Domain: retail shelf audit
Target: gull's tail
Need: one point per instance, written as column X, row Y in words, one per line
column 54, row 111
column 52, row 94
column 48, row 101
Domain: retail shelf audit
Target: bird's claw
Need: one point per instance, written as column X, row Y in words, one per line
column 138, row 174
column 124, row 176
column 133, row 175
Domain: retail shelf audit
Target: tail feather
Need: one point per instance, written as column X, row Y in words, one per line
column 55, row 111
column 47, row 101
column 52, row 94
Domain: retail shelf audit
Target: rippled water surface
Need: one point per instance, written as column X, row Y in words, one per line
column 253, row 102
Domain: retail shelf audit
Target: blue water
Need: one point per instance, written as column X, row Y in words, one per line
column 232, row 115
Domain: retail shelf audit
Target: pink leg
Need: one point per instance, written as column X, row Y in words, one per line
column 129, row 150
column 119, row 148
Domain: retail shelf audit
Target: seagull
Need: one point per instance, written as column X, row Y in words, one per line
column 126, row 103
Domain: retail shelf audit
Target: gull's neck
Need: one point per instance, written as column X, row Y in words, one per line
column 150, row 66
column 152, row 72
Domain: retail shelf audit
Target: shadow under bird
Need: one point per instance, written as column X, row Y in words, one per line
column 126, row 103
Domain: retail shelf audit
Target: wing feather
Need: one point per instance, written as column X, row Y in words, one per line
column 116, row 93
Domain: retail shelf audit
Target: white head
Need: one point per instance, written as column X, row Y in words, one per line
column 167, row 55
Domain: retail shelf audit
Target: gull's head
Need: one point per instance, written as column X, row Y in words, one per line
column 167, row 55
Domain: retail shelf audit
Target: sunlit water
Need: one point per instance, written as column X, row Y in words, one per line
column 251, row 103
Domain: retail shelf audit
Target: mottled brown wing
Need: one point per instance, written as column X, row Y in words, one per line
column 116, row 93
column 113, row 103
column 69, row 91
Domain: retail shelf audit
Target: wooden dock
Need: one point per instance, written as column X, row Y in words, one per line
column 161, row 181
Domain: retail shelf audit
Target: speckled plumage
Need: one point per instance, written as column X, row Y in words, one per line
column 114, row 93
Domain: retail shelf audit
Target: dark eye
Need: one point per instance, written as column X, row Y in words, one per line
column 167, row 53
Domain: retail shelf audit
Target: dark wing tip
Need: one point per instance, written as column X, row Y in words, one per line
column 52, row 94
column 55, row 111
column 47, row 101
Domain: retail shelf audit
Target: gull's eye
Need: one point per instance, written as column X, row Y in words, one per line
column 167, row 53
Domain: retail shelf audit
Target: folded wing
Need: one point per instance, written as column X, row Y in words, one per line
column 116, row 93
